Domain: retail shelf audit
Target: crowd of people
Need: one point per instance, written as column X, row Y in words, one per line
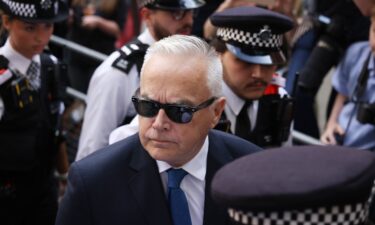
column 205, row 84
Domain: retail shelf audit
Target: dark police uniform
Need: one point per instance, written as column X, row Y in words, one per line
column 117, row 78
column 29, row 119
column 311, row 185
column 255, row 35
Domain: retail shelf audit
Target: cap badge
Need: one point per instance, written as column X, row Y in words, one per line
column 45, row 4
column 265, row 33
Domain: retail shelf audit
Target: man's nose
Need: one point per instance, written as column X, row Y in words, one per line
column 188, row 17
column 256, row 71
column 161, row 121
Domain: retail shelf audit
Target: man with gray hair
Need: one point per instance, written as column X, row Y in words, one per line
column 161, row 175
column 115, row 80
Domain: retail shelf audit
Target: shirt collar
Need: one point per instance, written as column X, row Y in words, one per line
column 371, row 64
column 16, row 60
column 233, row 101
column 195, row 167
column 146, row 37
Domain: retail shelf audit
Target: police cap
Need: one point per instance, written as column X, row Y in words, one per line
column 298, row 185
column 171, row 4
column 36, row 10
column 253, row 34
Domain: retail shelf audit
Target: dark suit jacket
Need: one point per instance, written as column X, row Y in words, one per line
column 121, row 184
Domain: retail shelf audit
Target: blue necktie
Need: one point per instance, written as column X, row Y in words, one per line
column 177, row 199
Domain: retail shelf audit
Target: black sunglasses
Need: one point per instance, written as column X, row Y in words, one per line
column 177, row 14
column 176, row 112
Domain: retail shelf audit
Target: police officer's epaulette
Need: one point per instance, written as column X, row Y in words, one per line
column 5, row 73
column 3, row 62
column 130, row 54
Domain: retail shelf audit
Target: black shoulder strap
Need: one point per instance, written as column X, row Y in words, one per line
column 47, row 70
column 131, row 54
column 46, row 59
column 51, row 69
column 362, row 78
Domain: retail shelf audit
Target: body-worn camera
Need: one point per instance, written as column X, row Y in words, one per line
column 274, row 120
column 16, row 92
column 21, row 91
column 366, row 113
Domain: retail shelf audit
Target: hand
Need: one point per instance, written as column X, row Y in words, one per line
column 234, row 3
column 283, row 6
column 61, row 189
column 328, row 137
column 90, row 22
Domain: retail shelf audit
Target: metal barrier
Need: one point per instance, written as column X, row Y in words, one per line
column 303, row 138
column 296, row 135
column 76, row 94
column 78, row 48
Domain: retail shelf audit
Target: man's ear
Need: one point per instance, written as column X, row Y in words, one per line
column 146, row 15
column 218, row 109
column 6, row 21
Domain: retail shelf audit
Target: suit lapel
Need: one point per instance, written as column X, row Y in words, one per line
column 216, row 158
column 148, row 190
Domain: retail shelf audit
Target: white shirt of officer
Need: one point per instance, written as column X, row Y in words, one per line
column 234, row 105
column 16, row 62
column 108, row 102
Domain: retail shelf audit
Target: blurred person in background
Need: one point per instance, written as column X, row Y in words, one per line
column 352, row 120
column 326, row 30
column 365, row 6
column 95, row 24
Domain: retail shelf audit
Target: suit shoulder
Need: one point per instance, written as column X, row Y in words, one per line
column 113, row 156
column 233, row 143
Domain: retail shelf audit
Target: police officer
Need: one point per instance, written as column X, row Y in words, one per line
column 250, row 40
column 29, row 111
column 298, row 185
column 117, row 78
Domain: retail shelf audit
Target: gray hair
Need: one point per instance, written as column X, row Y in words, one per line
column 191, row 46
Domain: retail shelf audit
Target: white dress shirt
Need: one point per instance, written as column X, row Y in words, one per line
column 234, row 105
column 193, row 184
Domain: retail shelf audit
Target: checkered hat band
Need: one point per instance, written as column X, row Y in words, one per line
column 21, row 9
column 336, row 215
column 247, row 38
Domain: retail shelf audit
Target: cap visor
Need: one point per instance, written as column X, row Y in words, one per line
column 273, row 58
